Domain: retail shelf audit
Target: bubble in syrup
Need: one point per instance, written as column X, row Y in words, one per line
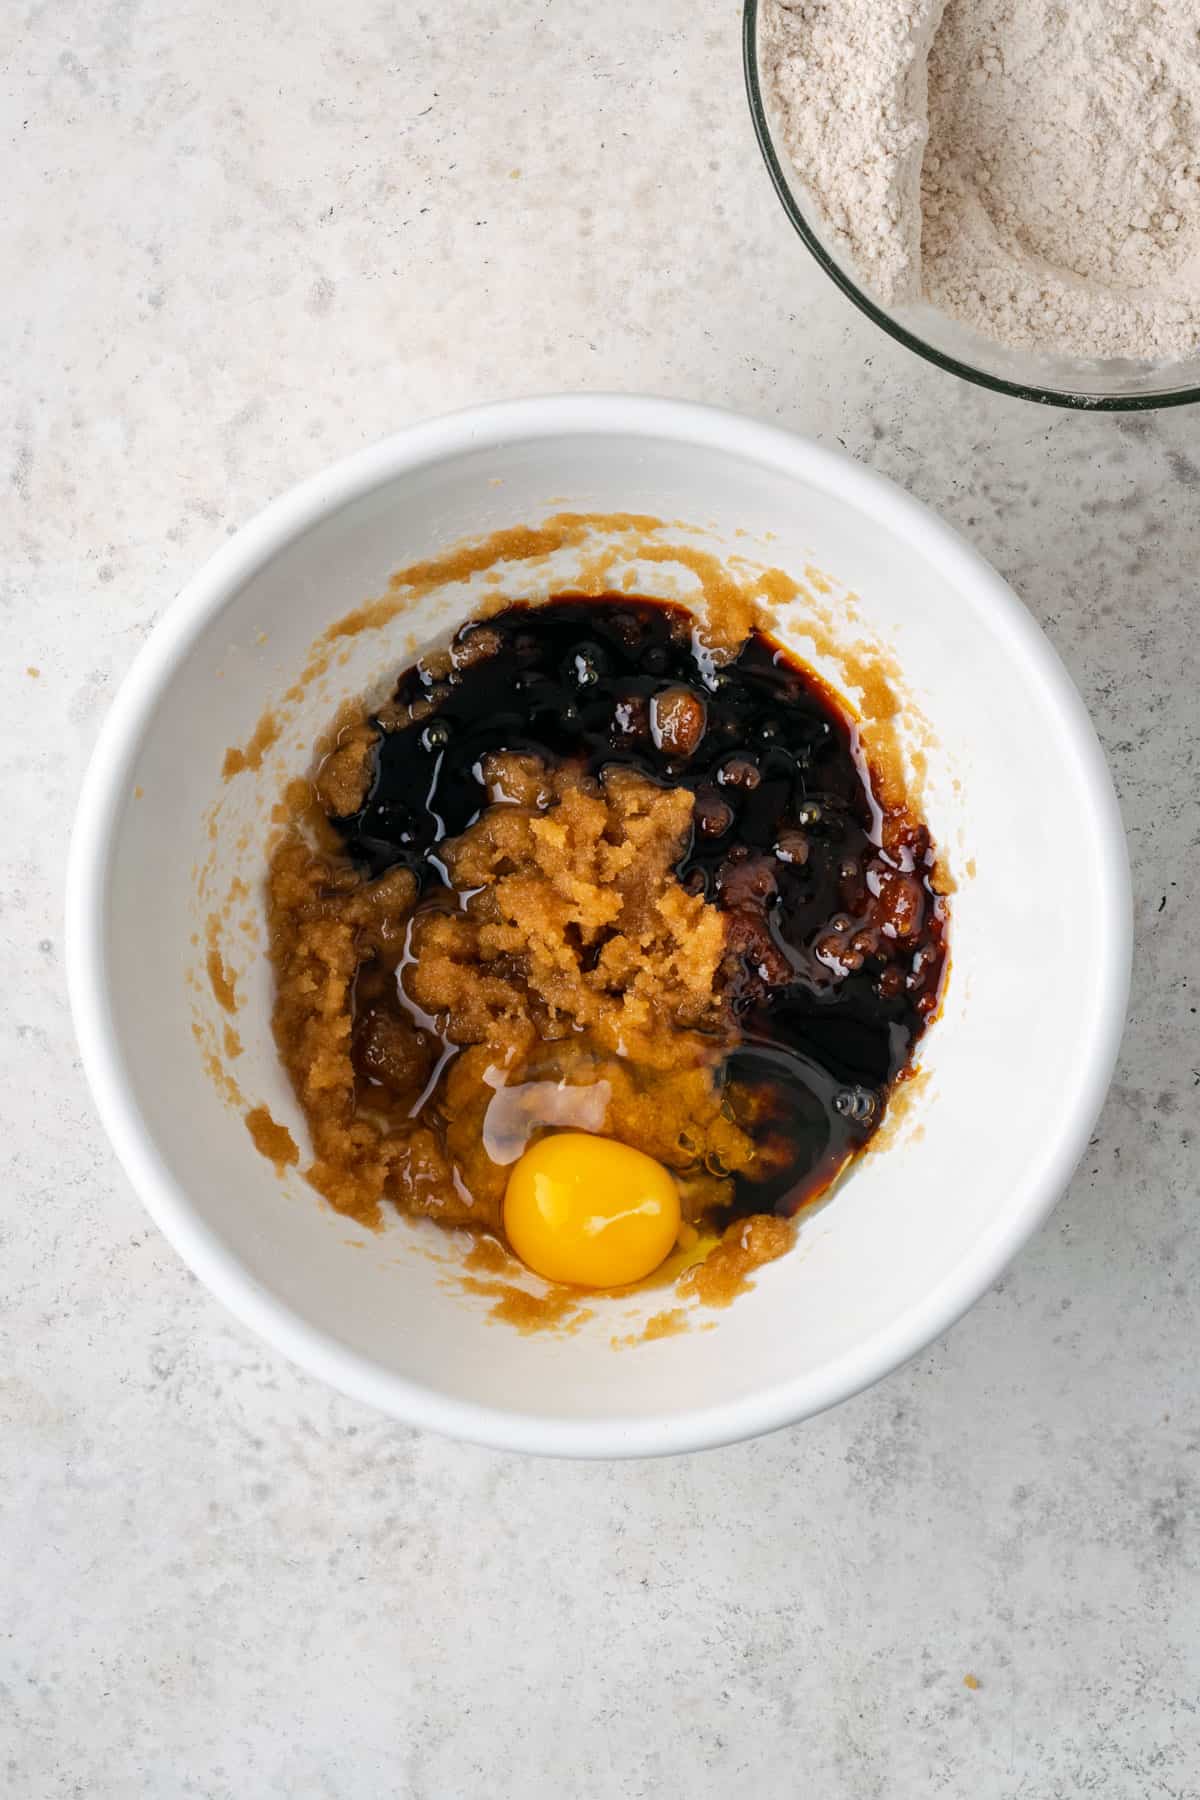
column 586, row 665
column 857, row 1104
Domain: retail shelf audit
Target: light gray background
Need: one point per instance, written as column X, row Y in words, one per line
column 239, row 240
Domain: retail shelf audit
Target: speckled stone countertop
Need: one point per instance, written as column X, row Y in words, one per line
column 239, row 241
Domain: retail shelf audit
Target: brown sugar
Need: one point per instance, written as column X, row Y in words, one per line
column 573, row 962
column 324, row 923
column 272, row 1140
column 746, row 1245
column 222, row 978
column 665, row 1324
column 576, row 924
column 557, row 1309
column 250, row 756
column 343, row 776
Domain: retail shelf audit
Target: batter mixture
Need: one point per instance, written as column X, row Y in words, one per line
column 582, row 877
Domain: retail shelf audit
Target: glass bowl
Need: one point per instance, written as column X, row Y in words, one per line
column 1053, row 379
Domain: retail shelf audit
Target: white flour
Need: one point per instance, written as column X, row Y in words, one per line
column 1030, row 166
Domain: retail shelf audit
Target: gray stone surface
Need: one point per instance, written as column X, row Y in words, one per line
column 238, row 241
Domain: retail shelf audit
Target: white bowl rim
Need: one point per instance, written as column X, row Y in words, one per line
column 779, row 1402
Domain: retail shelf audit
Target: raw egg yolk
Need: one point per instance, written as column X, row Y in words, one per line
column 589, row 1211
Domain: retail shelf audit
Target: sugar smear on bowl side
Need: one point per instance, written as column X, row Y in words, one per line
column 568, row 988
column 1028, row 169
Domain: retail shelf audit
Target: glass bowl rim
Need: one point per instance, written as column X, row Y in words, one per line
column 1043, row 395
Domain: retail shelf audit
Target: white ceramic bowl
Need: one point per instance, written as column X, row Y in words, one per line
column 1015, row 1068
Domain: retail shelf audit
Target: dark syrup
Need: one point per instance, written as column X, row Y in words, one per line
column 837, row 946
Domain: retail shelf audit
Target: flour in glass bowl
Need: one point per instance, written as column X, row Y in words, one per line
column 1030, row 167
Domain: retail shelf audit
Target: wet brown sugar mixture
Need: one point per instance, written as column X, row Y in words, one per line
column 580, row 872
